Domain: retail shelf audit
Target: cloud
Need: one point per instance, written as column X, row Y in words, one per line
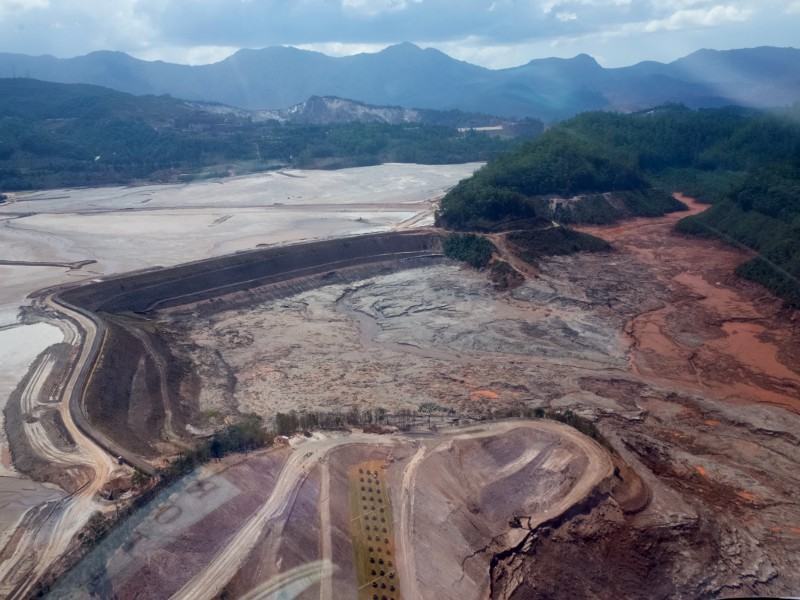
column 194, row 55
column 342, row 49
column 700, row 17
column 494, row 32
column 17, row 5
column 374, row 7
column 10, row 7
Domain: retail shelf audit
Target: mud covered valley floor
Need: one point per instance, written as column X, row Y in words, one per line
column 690, row 373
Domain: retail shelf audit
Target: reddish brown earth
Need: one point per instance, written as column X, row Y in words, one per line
column 717, row 334
column 707, row 416
column 690, row 374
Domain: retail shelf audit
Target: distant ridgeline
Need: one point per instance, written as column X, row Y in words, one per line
column 599, row 167
column 55, row 135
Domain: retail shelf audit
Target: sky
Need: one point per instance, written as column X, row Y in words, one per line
column 492, row 33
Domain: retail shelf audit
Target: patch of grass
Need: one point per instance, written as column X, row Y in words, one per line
column 372, row 531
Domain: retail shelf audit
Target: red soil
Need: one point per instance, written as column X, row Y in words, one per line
column 717, row 333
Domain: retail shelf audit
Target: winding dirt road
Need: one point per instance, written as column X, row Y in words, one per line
column 208, row 583
column 308, row 455
column 598, row 469
column 47, row 538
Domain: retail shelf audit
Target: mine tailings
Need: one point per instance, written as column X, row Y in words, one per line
column 129, row 398
column 716, row 333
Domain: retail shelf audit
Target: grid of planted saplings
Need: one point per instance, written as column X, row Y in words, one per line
column 373, row 534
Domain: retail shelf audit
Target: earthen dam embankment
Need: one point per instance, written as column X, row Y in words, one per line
column 130, row 399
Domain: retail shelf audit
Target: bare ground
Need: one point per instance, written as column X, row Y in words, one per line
column 240, row 527
column 691, row 374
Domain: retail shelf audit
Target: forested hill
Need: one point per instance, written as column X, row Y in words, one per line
column 746, row 162
column 55, row 135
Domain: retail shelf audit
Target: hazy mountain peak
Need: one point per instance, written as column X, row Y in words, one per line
column 583, row 59
column 275, row 51
column 406, row 75
column 402, row 47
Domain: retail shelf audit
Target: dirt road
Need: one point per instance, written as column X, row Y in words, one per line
column 46, row 538
column 308, row 455
column 408, row 583
column 209, row 582
column 326, row 542
column 598, row 468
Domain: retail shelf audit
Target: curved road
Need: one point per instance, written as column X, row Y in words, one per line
column 52, row 534
column 209, row 582
column 94, row 337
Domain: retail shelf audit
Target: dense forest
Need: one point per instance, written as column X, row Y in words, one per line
column 54, row 135
column 598, row 167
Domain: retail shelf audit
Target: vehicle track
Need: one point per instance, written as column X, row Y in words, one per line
column 208, row 583
column 52, row 535
column 326, row 541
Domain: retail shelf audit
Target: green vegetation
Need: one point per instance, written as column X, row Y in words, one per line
column 55, row 135
column 627, row 155
column 762, row 213
column 246, row 435
column 532, row 244
column 600, row 167
column 472, row 249
column 294, row 422
column 96, row 528
column 706, row 186
column 585, row 426
column 493, row 200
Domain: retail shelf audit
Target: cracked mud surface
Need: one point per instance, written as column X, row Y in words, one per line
column 438, row 334
column 692, row 375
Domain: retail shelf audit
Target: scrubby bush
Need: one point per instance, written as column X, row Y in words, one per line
column 533, row 244
column 246, row 435
column 472, row 249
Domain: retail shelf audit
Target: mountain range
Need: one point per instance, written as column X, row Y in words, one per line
column 68, row 134
column 410, row 76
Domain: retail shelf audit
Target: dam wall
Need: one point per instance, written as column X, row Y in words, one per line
column 130, row 398
column 200, row 280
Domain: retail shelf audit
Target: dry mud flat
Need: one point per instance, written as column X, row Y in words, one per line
column 88, row 232
column 429, row 335
column 690, row 373
column 59, row 236
column 348, row 516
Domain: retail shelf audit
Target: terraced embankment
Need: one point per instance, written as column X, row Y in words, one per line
column 128, row 397
column 205, row 279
